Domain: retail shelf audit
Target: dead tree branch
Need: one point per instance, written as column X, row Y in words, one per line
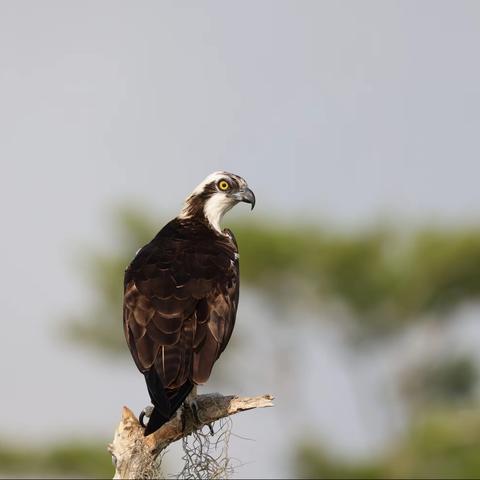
column 135, row 456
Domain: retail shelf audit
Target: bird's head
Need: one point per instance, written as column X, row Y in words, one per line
column 215, row 196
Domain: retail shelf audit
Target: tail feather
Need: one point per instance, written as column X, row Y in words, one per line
column 156, row 420
column 165, row 402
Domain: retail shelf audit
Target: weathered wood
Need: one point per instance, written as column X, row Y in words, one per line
column 135, row 456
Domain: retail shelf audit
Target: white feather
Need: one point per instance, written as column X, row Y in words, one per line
column 216, row 207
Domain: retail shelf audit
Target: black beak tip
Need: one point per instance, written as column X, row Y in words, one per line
column 250, row 198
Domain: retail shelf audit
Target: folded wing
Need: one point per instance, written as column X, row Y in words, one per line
column 180, row 305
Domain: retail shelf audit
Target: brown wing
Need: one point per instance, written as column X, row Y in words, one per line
column 215, row 331
column 180, row 304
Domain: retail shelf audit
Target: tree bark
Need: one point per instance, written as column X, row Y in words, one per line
column 135, row 456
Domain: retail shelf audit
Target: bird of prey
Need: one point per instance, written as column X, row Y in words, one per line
column 181, row 295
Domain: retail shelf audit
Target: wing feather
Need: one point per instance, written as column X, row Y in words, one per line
column 180, row 304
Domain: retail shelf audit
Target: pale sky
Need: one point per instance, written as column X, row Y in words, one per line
column 341, row 111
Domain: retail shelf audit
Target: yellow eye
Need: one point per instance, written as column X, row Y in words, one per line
column 223, row 185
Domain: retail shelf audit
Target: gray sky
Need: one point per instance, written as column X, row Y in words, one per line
column 341, row 111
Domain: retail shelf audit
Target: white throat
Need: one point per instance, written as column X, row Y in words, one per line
column 215, row 208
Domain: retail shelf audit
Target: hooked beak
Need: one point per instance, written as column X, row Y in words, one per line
column 246, row 196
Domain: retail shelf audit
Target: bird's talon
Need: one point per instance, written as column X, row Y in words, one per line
column 146, row 412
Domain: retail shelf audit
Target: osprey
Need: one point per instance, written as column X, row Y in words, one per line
column 181, row 295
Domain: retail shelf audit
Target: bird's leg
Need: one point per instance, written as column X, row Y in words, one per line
column 181, row 416
column 191, row 403
column 146, row 412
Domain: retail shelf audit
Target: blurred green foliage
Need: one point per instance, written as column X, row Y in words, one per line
column 442, row 444
column 101, row 325
column 73, row 459
column 387, row 279
column 441, row 381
